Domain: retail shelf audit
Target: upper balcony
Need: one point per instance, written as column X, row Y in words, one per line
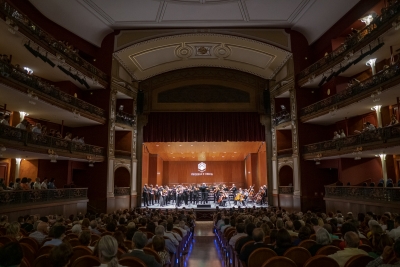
column 63, row 53
column 384, row 84
column 356, row 42
column 33, row 89
column 125, row 119
column 366, row 144
column 18, row 139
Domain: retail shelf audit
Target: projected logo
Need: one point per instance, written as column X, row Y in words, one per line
column 201, row 167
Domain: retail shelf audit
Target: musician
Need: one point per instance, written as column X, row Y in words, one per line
column 151, row 196
column 173, row 193
column 185, row 195
column 191, row 189
column 214, row 190
column 233, row 190
column 223, row 198
column 217, row 194
column 158, row 193
column 163, row 196
column 203, row 190
column 145, row 195
column 195, row 194
column 178, row 196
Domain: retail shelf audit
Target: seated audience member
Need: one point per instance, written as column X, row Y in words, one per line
column 347, row 227
column 119, row 236
column 378, row 243
column 290, row 227
column 85, row 239
column 304, row 234
column 107, row 251
column 2, row 185
column 5, row 120
column 37, row 185
column 44, row 184
column 24, row 184
column 249, row 231
column 139, row 241
column 172, row 235
column 169, row 245
column 258, row 237
column 51, row 184
column 283, row 242
column 395, row 232
column 41, row 233
column 369, row 127
column 323, row 238
column 28, row 224
column 336, row 135
column 13, row 230
column 159, row 246
column 11, row 255
column 342, row 134
column 68, row 137
column 386, row 255
column 393, row 121
column 37, row 129
column 17, row 185
column 315, row 224
column 225, row 225
column 93, row 228
column 81, row 140
column 58, row 233
column 85, row 224
column 4, row 221
column 352, row 241
column 60, row 255
column 240, row 227
column 58, row 135
column 374, row 228
column 22, row 125
column 76, row 229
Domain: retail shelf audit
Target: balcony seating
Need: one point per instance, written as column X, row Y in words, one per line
column 358, row 260
column 298, row 254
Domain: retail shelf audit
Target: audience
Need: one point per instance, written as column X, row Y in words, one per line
column 351, row 249
column 139, row 241
column 11, row 255
column 323, row 238
column 158, row 245
column 258, row 237
column 60, row 255
column 58, row 236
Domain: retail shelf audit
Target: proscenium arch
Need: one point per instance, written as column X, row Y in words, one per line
column 155, row 56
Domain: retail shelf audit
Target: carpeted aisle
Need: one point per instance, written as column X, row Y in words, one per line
column 204, row 251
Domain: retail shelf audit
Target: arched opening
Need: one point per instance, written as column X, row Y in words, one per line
column 122, row 177
column 286, row 176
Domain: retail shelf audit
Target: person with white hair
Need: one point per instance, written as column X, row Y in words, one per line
column 323, row 238
column 169, row 245
column 108, row 249
column 139, row 241
column 76, row 229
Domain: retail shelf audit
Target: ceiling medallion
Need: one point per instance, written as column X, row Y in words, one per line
column 203, row 51
column 221, row 51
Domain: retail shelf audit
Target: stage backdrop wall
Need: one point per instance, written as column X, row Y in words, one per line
column 228, row 172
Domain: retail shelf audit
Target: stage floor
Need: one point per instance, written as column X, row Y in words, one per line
column 213, row 206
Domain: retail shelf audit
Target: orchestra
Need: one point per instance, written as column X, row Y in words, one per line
column 199, row 194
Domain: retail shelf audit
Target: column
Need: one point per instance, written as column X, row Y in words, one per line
column 110, row 180
column 17, row 167
column 141, row 122
column 296, row 176
column 384, row 169
column 378, row 114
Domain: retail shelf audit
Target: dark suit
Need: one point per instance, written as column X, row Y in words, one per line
column 149, row 260
column 239, row 244
column 244, row 256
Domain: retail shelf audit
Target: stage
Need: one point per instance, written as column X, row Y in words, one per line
column 213, row 206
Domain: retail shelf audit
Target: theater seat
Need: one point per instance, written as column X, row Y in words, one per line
column 358, row 260
column 259, row 256
column 30, row 241
column 45, row 250
column 131, row 262
column 279, row 261
column 29, row 253
column 42, row 261
column 327, row 250
column 80, row 251
column 298, row 254
column 321, row 261
column 307, row 243
column 86, row 261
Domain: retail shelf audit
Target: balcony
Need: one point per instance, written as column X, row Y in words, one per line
column 23, row 140
column 285, row 190
column 21, row 81
column 383, row 80
column 122, row 191
column 380, row 138
column 285, row 153
column 50, row 44
column 281, row 117
column 357, row 41
column 11, row 198
column 125, row 119
column 387, row 194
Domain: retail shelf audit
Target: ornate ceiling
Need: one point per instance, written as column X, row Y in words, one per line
column 94, row 19
column 149, row 58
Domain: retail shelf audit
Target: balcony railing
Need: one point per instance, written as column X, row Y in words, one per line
column 382, row 135
column 12, row 197
column 285, row 152
column 122, row 191
column 125, row 118
column 391, row 194
column 32, row 139
column 286, row 190
column 356, row 90
column 50, row 43
column 8, row 71
column 358, row 40
column 281, row 117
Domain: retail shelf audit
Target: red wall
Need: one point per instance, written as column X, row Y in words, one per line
column 122, row 177
column 284, row 139
column 123, row 140
column 357, row 171
column 285, row 176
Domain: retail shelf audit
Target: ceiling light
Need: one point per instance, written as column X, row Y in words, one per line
column 157, row 145
column 191, row 145
column 91, row 164
column 180, row 145
column 234, row 152
column 168, row 145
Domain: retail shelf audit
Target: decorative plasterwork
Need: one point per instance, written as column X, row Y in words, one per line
column 282, row 88
column 285, row 162
column 111, row 141
column 122, row 163
column 273, row 130
column 149, row 58
column 293, row 111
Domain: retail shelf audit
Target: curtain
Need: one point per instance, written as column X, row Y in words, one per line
column 203, row 127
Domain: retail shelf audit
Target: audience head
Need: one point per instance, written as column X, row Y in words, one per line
column 59, row 231
column 347, row 227
column 108, row 248
column 85, row 238
column 76, row 229
column 283, row 238
column 139, row 240
column 11, row 254
column 351, row 239
column 119, row 236
column 13, row 229
column 258, row 235
column 60, row 255
column 304, row 233
column 43, row 227
column 93, row 224
column 323, row 237
column 249, row 229
column 159, row 231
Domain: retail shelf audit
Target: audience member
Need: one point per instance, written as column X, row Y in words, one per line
column 41, row 233
column 58, row 235
column 240, row 227
column 249, row 231
column 323, row 238
column 85, row 239
column 159, row 246
column 283, row 242
column 395, row 232
column 11, row 255
column 258, row 237
column 139, row 241
column 386, row 255
column 60, row 255
column 13, row 230
column 351, row 249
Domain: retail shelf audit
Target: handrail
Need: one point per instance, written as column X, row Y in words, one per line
column 34, row 139
column 14, row 197
column 285, row 190
column 283, row 152
column 122, row 191
column 391, row 194
column 9, row 71
column 354, row 90
column 361, row 38
column 49, row 41
column 378, row 135
column 125, row 118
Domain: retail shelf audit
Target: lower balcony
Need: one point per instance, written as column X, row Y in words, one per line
column 286, row 190
column 122, row 191
column 370, row 140
column 18, row 139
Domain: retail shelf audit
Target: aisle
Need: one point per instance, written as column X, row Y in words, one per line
column 204, row 250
